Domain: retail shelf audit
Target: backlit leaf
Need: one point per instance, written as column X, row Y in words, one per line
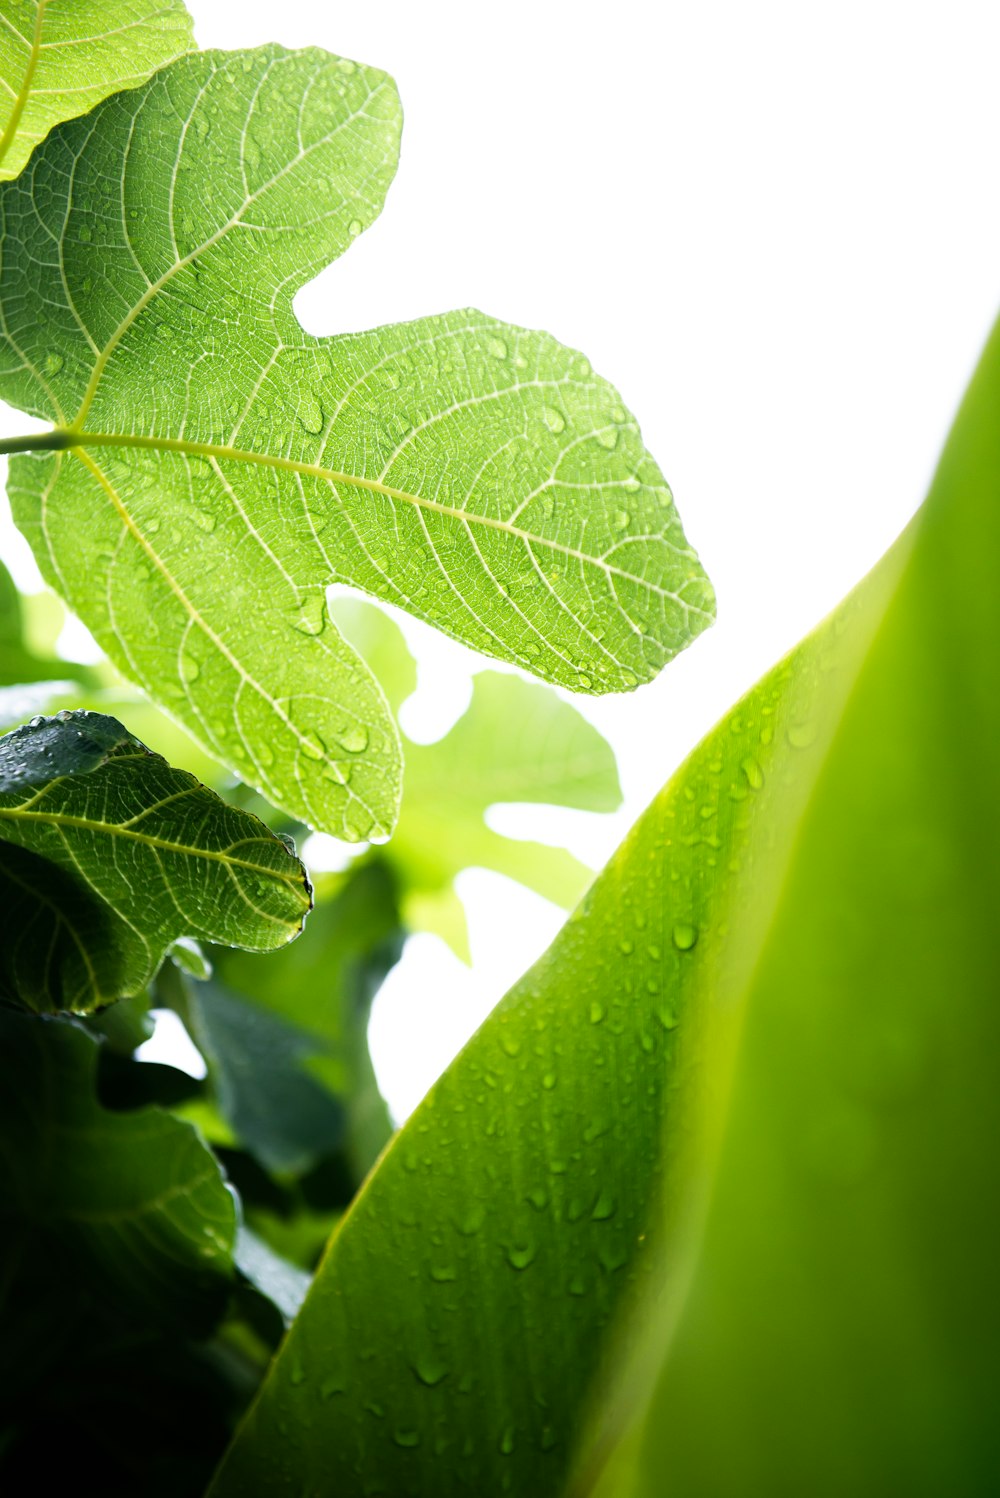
column 58, row 58
column 479, row 475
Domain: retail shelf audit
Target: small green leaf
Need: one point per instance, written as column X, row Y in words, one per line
column 283, row 1283
column 108, row 855
column 478, row 475
column 132, row 1203
column 283, row 1116
column 58, row 58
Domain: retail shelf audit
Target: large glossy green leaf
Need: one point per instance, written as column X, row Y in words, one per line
column 479, row 475
column 58, row 58
column 842, row 817
column 470, row 1299
column 132, row 1203
column 842, row 1325
column 108, row 855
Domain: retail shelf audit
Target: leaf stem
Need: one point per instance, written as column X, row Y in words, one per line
column 37, row 442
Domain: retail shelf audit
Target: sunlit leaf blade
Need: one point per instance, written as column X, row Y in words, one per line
column 480, row 476
column 108, row 855
column 58, row 58
column 843, row 1322
column 474, row 1291
column 136, row 1197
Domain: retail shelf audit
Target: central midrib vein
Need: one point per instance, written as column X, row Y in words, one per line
column 87, row 824
column 71, row 438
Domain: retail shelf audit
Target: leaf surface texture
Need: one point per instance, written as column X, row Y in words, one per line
column 108, row 855
column 478, row 475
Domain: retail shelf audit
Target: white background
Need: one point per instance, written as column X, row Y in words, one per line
column 776, row 227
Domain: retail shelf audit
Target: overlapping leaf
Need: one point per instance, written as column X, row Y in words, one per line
column 108, row 855
column 516, row 742
column 479, row 475
column 286, row 1040
column 475, row 1297
column 58, row 58
column 136, row 1197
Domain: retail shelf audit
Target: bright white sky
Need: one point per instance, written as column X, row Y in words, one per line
column 775, row 227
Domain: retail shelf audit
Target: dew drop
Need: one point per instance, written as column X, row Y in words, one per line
column 597, row 1012
column 204, row 520
column 497, row 348
column 86, row 233
column 358, row 821
column 553, row 419
column 631, row 485
column 539, row 1198
column 622, row 520
column 549, row 1081
column 684, row 936
column 311, row 618
column 584, row 681
column 354, row 738
column 548, row 1438
column 312, row 745
column 310, row 414
column 53, row 363
column 577, row 1285
column 801, row 735
column 604, row 1207
column 619, row 414
column 337, row 772
column 507, row 1441
column 520, row 1255
column 331, row 1386
column 406, row 1438
column 753, row 773
column 190, row 668
column 355, row 227
column 430, row 1370
column 626, row 947
column 607, row 438
column 443, row 1274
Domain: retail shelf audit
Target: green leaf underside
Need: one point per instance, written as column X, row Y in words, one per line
column 108, row 855
column 478, row 475
column 137, row 1196
column 58, row 58
column 469, row 1301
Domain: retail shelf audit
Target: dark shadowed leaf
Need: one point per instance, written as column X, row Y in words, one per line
column 108, row 855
